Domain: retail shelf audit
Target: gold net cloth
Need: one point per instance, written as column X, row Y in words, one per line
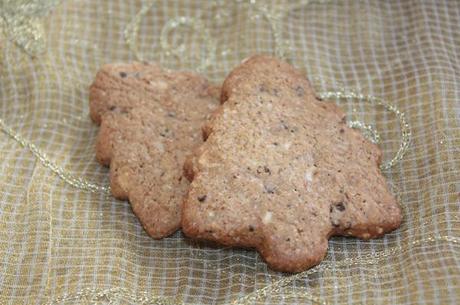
column 63, row 240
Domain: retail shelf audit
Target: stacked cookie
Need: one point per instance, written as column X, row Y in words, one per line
column 150, row 120
column 278, row 170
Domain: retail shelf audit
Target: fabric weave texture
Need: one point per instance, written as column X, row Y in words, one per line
column 62, row 242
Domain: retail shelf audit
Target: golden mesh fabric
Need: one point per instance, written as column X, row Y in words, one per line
column 63, row 240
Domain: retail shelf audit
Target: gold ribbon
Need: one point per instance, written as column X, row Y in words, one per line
column 21, row 21
column 59, row 171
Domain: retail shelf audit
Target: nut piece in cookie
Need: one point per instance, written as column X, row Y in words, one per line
column 150, row 119
column 281, row 171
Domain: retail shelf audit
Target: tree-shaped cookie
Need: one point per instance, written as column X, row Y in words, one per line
column 150, row 120
column 281, row 171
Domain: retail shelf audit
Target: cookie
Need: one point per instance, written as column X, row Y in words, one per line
column 281, row 171
column 150, row 120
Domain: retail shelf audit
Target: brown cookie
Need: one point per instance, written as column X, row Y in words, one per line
column 281, row 171
column 150, row 120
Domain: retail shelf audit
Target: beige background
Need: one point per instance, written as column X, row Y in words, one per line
column 65, row 244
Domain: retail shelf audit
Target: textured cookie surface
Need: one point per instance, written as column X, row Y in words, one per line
column 281, row 171
column 150, row 120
